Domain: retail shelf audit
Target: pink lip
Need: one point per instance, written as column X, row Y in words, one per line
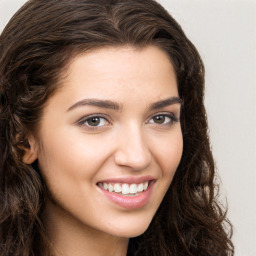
column 129, row 202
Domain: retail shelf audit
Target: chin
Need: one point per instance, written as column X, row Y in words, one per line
column 130, row 229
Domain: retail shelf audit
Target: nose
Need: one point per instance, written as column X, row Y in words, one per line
column 133, row 150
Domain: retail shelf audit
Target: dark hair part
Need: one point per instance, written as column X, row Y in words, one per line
column 35, row 47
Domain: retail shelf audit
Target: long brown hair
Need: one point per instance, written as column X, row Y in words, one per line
column 35, row 47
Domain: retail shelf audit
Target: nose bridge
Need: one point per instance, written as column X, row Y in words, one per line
column 133, row 150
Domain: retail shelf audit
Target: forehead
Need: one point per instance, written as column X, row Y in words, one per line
column 134, row 78
column 120, row 68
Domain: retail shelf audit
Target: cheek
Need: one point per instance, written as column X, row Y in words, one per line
column 71, row 155
column 168, row 154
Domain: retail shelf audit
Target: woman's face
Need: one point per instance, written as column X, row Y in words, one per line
column 110, row 141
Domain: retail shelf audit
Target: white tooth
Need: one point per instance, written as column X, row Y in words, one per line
column 105, row 186
column 110, row 188
column 117, row 188
column 145, row 185
column 100, row 185
column 125, row 189
column 133, row 189
column 140, row 187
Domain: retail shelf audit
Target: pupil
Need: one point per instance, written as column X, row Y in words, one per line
column 159, row 119
column 94, row 121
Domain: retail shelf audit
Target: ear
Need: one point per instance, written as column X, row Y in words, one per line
column 31, row 151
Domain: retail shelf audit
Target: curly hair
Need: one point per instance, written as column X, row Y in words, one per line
column 35, row 47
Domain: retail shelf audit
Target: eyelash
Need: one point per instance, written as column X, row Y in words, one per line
column 84, row 121
column 171, row 116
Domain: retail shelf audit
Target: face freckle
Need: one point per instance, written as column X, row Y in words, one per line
column 114, row 122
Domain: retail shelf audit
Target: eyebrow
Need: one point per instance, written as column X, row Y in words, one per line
column 108, row 104
column 97, row 103
column 165, row 103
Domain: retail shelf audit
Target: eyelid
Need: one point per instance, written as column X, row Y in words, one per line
column 170, row 115
column 81, row 122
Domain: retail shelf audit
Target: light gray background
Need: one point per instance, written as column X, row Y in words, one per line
column 224, row 31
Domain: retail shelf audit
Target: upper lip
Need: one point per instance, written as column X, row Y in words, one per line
column 129, row 180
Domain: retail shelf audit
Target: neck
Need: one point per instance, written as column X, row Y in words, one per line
column 70, row 237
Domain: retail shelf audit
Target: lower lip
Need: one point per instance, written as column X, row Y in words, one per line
column 130, row 202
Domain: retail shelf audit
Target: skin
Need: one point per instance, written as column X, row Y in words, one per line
column 74, row 156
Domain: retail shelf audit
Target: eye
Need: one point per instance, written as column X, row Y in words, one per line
column 96, row 121
column 163, row 119
column 93, row 122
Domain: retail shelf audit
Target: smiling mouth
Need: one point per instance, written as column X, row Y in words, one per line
column 125, row 188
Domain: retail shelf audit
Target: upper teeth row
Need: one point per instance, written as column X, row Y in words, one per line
column 124, row 188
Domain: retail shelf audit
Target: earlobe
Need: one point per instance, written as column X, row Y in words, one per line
column 30, row 150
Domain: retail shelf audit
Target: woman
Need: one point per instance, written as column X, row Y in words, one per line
column 97, row 157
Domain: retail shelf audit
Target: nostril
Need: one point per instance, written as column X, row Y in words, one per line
column 132, row 150
column 134, row 160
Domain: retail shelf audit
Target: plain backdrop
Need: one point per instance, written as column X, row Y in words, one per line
column 224, row 31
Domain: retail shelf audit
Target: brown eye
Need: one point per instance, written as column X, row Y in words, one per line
column 94, row 121
column 163, row 119
column 160, row 119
